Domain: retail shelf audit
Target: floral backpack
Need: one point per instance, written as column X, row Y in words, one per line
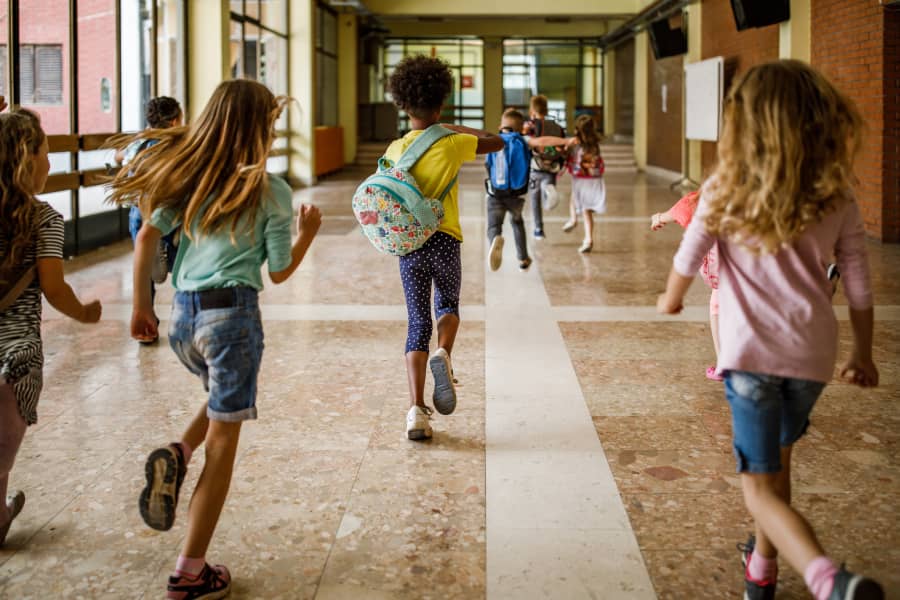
column 391, row 209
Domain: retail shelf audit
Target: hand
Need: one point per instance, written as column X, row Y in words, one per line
column 90, row 312
column 666, row 307
column 656, row 222
column 860, row 372
column 144, row 325
column 308, row 220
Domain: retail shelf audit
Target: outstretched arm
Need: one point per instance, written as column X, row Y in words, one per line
column 547, row 140
column 308, row 222
column 487, row 142
column 60, row 295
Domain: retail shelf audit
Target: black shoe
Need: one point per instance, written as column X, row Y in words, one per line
column 524, row 264
column 165, row 471
column 212, row 582
column 848, row 586
column 754, row 590
column 834, row 276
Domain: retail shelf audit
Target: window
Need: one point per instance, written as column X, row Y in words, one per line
column 326, row 67
column 42, row 74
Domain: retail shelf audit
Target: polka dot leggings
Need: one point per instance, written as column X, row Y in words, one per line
column 439, row 261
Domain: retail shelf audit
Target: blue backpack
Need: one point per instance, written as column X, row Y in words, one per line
column 391, row 209
column 508, row 168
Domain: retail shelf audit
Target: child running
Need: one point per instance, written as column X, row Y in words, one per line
column 779, row 204
column 546, row 164
column 31, row 264
column 161, row 113
column 585, row 164
column 682, row 212
column 420, row 85
column 209, row 180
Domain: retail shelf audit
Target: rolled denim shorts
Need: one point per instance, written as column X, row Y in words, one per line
column 217, row 334
column 767, row 414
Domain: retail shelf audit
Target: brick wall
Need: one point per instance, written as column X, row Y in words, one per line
column 856, row 45
column 740, row 49
column 664, row 126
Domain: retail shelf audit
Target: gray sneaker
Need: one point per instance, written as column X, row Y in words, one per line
column 160, row 269
column 14, row 504
column 849, row 586
column 444, row 390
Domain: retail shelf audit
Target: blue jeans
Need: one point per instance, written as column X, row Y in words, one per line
column 135, row 221
column 217, row 334
column 768, row 413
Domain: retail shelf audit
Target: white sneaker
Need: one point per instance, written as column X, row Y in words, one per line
column 569, row 225
column 586, row 246
column 495, row 256
column 417, row 425
column 550, row 195
column 160, row 264
column 444, row 390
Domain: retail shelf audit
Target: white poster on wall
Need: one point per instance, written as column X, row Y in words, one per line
column 703, row 96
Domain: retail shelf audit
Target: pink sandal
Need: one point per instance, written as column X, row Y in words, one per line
column 713, row 374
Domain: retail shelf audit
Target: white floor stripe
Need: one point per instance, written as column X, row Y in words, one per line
column 556, row 525
column 118, row 311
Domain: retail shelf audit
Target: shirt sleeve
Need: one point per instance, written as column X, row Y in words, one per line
column 278, row 225
column 694, row 246
column 683, row 210
column 466, row 145
column 165, row 219
column 51, row 234
column 852, row 259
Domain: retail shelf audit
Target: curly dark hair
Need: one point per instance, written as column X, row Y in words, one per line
column 161, row 111
column 420, row 84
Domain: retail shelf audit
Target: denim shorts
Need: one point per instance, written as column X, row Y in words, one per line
column 767, row 414
column 217, row 334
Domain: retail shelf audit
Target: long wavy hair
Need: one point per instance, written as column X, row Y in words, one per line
column 785, row 158
column 21, row 137
column 222, row 154
column 586, row 132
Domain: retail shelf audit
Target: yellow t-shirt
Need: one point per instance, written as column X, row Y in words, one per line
column 437, row 168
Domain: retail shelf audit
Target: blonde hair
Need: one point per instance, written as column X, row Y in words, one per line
column 785, row 157
column 586, row 132
column 539, row 105
column 514, row 116
column 222, row 154
column 21, row 137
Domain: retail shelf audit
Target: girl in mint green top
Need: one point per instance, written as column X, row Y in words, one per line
column 209, row 179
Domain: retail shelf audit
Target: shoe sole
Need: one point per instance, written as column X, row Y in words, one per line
column 861, row 588
column 444, row 392
column 418, row 434
column 496, row 255
column 160, row 496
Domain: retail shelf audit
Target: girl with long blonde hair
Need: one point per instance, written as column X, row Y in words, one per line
column 31, row 265
column 779, row 206
column 209, row 180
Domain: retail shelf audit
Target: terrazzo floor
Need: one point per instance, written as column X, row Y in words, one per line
column 589, row 456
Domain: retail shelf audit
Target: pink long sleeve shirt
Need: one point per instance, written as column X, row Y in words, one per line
column 775, row 312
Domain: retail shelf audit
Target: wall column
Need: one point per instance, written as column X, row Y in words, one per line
column 694, row 156
column 641, row 82
column 493, row 83
column 302, row 77
column 348, row 63
column 609, row 92
column 794, row 35
column 209, row 54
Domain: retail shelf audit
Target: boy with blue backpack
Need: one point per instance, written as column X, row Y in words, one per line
column 508, row 182
column 419, row 85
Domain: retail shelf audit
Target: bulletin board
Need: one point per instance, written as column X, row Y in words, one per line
column 703, row 97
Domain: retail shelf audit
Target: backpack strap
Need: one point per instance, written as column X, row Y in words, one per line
column 17, row 288
column 448, row 188
column 420, row 146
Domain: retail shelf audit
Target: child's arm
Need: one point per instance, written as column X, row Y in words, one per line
column 143, row 319
column 660, row 220
column 60, row 294
column 547, row 140
column 694, row 247
column 308, row 221
column 487, row 142
column 860, row 368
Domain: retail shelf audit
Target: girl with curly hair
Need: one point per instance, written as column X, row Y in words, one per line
column 31, row 265
column 420, row 85
column 779, row 205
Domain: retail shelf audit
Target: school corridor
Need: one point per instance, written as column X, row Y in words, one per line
column 589, row 456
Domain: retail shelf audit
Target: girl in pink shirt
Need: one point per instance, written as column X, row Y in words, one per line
column 682, row 212
column 778, row 207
